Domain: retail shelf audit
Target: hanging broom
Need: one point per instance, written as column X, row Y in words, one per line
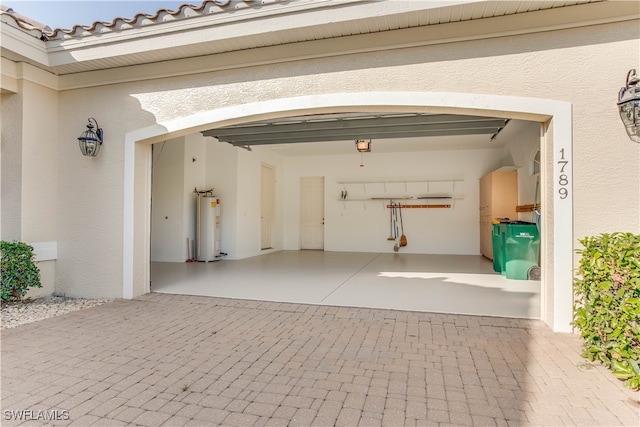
column 403, row 238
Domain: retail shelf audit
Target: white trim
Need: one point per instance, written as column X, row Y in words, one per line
column 45, row 251
column 562, row 221
column 460, row 103
column 127, row 238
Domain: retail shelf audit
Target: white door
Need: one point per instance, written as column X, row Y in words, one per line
column 312, row 213
column 267, row 216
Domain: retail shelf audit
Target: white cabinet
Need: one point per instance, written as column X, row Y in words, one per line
column 498, row 199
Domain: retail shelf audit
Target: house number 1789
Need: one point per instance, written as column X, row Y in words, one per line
column 563, row 178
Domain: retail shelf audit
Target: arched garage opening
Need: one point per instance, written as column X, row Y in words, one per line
column 555, row 147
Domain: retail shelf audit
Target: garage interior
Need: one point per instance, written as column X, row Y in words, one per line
column 423, row 173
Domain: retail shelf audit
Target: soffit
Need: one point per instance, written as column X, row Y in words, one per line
column 232, row 26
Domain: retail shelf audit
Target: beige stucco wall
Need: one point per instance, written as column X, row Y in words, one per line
column 47, row 279
column 583, row 66
column 29, row 169
column 90, row 199
column 11, row 166
column 39, row 163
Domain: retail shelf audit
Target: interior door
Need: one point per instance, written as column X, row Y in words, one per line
column 312, row 213
column 267, row 205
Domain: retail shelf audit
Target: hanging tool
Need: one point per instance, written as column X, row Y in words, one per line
column 395, row 228
column 390, row 238
column 403, row 238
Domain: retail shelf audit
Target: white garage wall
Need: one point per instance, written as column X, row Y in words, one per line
column 173, row 214
column 234, row 174
column 529, row 185
column 249, row 175
column 194, row 178
column 519, row 151
column 365, row 226
column 222, row 176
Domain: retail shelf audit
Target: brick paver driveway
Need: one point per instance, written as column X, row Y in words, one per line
column 186, row 360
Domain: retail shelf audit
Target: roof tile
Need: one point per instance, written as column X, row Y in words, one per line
column 184, row 11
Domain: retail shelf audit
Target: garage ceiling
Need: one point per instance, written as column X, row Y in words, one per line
column 400, row 132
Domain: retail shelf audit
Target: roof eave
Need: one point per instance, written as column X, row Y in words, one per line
column 20, row 46
column 231, row 43
column 225, row 28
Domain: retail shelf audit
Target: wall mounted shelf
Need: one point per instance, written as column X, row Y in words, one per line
column 393, row 198
column 419, row 206
column 527, row 208
column 388, row 191
column 400, row 181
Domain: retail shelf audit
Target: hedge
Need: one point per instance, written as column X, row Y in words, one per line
column 18, row 270
column 607, row 303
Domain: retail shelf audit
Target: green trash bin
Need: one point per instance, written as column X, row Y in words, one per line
column 496, row 242
column 498, row 237
column 521, row 249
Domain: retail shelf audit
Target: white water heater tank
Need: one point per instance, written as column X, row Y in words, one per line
column 208, row 228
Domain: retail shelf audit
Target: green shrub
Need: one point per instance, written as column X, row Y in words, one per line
column 607, row 305
column 18, row 270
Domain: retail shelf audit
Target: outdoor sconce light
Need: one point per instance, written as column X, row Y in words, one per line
column 90, row 140
column 629, row 105
column 363, row 146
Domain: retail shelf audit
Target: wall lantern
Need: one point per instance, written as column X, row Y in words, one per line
column 90, row 141
column 629, row 105
column 363, row 146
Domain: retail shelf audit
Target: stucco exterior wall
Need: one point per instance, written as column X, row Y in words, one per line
column 90, row 196
column 47, row 279
column 39, row 165
column 11, row 152
column 29, row 172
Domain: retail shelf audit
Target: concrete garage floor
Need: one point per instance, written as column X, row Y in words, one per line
column 457, row 284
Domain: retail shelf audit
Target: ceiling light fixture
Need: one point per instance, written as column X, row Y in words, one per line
column 629, row 106
column 90, row 141
column 363, row 146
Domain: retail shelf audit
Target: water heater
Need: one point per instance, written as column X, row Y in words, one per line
column 208, row 228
